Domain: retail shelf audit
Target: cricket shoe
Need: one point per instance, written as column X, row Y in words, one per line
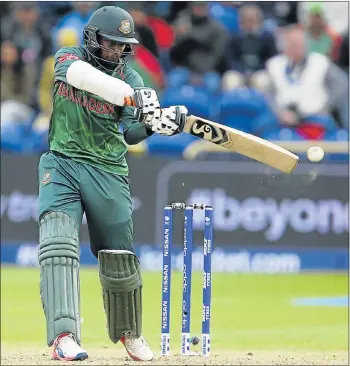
column 66, row 348
column 137, row 348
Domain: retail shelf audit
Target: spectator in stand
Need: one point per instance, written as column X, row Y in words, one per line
column 17, row 85
column 4, row 10
column 77, row 18
column 343, row 60
column 321, row 38
column 244, row 106
column 65, row 38
column 29, row 32
column 143, row 33
column 53, row 11
column 146, row 59
column 253, row 46
column 226, row 13
column 336, row 13
column 306, row 87
column 278, row 13
column 149, row 66
column 176, row 8
column 146, row 75
column 201, row 42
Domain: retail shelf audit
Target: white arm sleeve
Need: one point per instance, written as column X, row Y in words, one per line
column 83, row 76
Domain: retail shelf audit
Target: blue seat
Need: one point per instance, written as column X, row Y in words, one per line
column 226, row 15
column 212, row 81
column 196, row 99
column 178, row 77
column 338, row 135
column 169, row 145
column 40, row 141
column 282, row 134
column 22, row 139
column 11, row 137
column 247, row 110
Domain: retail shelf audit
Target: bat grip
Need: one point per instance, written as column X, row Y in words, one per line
column 129, row 101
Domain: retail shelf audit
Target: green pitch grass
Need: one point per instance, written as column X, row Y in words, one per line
column 249, row 312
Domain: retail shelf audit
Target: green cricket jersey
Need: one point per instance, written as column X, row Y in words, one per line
column 86, row 127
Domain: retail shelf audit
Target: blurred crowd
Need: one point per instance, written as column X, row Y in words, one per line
column 275, row 69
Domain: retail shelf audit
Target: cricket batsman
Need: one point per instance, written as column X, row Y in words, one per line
column 85, row 171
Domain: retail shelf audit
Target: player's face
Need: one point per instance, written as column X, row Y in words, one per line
column 114, row 51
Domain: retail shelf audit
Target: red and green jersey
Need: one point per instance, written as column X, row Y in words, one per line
column 84, row 126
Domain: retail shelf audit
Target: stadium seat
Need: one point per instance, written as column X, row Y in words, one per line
column 169, row 145
column 11, row 137
column 325, row 121
column 178, row 77
column 212, row 82
column 18, row 138
column 282, row 134
column 197, row 100
column 338, row 135
column 247, row 110
column 226, row 15
column 40, row 139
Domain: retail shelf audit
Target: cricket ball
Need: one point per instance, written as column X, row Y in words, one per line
column 195, row 340
column 315, row 153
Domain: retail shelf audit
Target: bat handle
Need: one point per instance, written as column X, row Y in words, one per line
column 129, row 101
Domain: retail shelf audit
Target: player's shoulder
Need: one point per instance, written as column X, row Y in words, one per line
column 71, row 53
column 132, row 77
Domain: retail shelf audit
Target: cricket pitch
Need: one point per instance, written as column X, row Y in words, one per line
column 117, row 356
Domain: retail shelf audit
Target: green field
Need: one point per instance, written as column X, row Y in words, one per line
column 248, row 311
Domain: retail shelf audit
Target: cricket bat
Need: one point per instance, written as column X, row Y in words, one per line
column 243, row 143
column 238, row 141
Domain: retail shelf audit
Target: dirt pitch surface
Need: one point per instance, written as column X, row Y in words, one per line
column 41, row 356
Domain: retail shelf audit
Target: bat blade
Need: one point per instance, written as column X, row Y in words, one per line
column 243, row 143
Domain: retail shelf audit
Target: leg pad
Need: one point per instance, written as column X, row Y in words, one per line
column 59, row 275
column 121, row 281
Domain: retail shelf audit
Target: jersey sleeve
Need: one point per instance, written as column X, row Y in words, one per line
column 134, row 131
column 64, row 58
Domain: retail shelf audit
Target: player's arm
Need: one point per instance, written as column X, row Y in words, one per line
column 169, row 123
column 166, row 121
column 71, row 67
column 134, row 130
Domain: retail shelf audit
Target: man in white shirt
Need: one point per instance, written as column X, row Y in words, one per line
column 305, row 87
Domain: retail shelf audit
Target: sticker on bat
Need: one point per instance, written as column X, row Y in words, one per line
column 208, row 132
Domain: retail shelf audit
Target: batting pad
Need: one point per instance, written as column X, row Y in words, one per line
column 59, row 275
column 120, row 277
